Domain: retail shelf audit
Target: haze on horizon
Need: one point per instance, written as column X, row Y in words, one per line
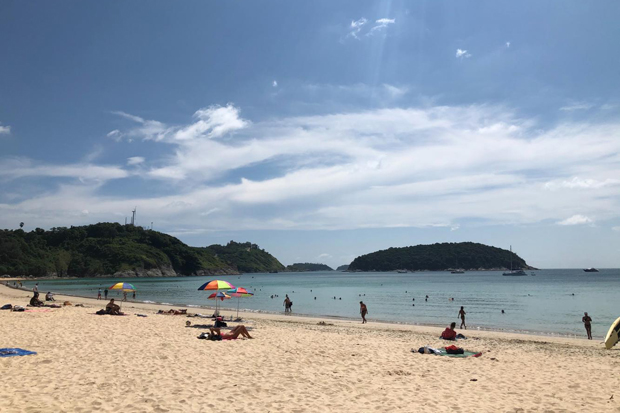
column 320, row 131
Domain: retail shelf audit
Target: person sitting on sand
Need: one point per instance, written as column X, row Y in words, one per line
column 49, row 296
column 449, row 333
column 113, row 309
column 35, row 302
column 240, row 330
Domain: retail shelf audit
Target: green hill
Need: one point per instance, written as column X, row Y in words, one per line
column 439, row 257
column 119, row 250
column 343, row 268
column 246, row 257
column 306, row 266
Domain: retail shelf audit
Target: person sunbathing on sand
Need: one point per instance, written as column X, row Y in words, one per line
column 112, row 308
column 240, row 330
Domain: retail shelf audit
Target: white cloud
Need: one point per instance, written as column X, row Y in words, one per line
column 579, row 183
column 115, row 134
column 460, row 54
column 507, row 45
column 455, row 227
column 380, row 25
column 356, row 27
column 576, row 220
column 616, row 228
column 577, row 106
column 23, row 168
column 275, row 83
column 324, row 256
column 391, row 167
column 394, row 91
column 135, row 160
column 5, row 130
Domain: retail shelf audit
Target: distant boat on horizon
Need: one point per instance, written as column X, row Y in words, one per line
column 459, row 271
column 592, row 269
column 401, row 271
column 514, row 273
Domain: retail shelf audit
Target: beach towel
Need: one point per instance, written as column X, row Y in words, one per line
column 11, row 352
column 465, row 354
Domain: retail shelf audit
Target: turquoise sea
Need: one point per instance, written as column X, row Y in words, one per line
column 538, row 304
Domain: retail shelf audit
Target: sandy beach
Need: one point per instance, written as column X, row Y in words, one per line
column 87, row 362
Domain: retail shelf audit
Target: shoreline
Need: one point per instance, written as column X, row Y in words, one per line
column 300, row 317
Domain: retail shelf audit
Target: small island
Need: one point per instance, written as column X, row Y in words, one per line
column 306, row 266
column 440, row 257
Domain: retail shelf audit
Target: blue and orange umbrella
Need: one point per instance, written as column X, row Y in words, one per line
column 240, row 292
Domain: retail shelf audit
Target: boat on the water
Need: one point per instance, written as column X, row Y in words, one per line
column 532, row 274
column 401, row 271
column 459, row 271
column 590, row 269
column 514, row 273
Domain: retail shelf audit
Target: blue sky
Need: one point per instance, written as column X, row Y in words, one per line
column 319, row 130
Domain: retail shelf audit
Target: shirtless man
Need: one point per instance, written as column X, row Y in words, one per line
column 287, row 304
column 363, row 311
column 587, row 322
column 112, row 308
column 462, row 315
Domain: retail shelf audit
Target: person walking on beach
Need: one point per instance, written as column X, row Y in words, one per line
column 287, row 304
column 134, row 294
column 99, row 294
column 462, row 315
column 35, row 289
column 587, row 322
column 363, row 312
column 105, row 293
column 124, row 295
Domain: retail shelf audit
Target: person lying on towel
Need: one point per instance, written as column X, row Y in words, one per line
column 240, row 330
column 112, row 308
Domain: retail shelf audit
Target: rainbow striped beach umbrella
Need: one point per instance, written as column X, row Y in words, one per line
column 218, row 296
column 240, row 292
column 216, row 285
column 123, row 286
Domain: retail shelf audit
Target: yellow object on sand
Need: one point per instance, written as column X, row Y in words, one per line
column 613, row 335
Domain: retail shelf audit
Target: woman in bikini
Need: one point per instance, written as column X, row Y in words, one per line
column 240, row 330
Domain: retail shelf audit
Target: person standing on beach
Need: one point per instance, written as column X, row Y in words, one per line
column 462, row 315
column 587, row 322
column 287, row 304
column 363, row 312
column 99, row 294
column 35, row 289
column 134, row 294
column 124, row 295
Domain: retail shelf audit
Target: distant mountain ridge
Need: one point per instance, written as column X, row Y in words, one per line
column 439, row 257
column 112, row 249
column 306, row 266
